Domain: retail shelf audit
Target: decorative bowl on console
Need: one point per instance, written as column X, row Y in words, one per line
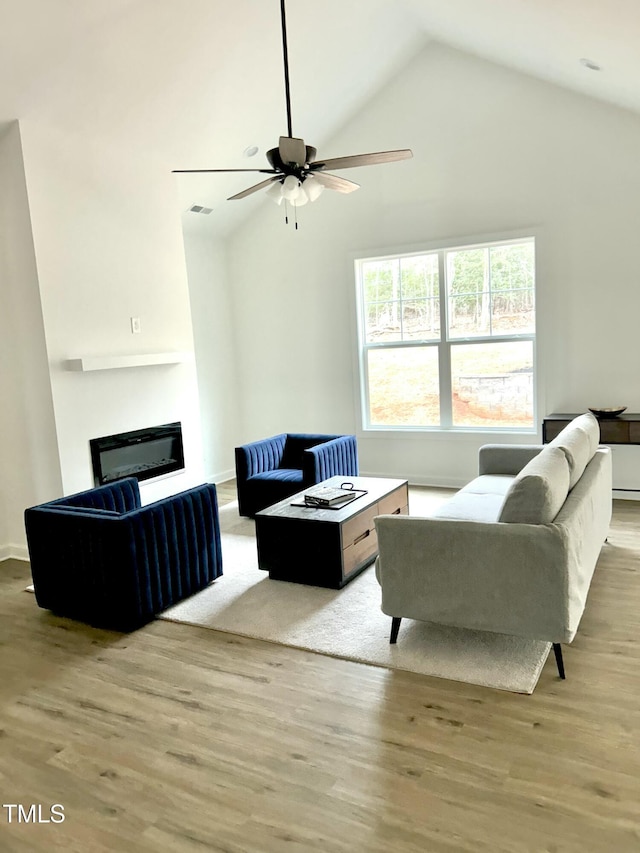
column 608, row 413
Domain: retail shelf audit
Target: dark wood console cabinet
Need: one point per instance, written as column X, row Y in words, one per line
column 625, row 429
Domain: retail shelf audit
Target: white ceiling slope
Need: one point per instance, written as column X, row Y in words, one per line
column 547, row 39
column 193, row 84
column 36, row 35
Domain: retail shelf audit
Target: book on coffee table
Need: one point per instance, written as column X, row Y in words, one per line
column 330, row 496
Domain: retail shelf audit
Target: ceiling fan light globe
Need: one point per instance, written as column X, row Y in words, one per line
column 291, row 187
column 275, row 192
column 312, row 188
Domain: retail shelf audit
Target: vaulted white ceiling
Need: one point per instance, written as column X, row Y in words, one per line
column 193, row 84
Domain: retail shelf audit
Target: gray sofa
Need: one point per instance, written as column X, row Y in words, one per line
column 512, row 552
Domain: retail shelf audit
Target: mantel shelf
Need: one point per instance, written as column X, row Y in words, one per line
column 110, row 362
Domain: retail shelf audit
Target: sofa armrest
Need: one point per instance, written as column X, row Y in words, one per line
column 506, row 578
column 175, row 547
column 506, row 458
column 75, row 554
column 259, row 456
column 120, row 496
column 338, row 457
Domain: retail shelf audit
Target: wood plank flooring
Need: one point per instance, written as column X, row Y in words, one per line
column 180, row 739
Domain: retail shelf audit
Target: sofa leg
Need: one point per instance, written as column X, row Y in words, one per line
column 395, row 627
column 557, row 649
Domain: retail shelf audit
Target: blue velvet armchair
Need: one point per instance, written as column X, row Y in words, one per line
column 270, row 470
column 102, row 558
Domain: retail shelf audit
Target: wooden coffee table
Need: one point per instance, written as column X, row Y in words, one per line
column 326, row 547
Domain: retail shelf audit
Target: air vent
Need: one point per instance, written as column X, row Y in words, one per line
column 198, row 208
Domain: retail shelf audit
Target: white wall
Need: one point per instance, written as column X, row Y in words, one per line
column 108, row 245
column 494, row 152
column 214, row 341
column 29, row 467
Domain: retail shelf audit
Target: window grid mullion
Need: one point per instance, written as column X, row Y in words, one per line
column 444, row 353
column 488, row 250
column 400, row 298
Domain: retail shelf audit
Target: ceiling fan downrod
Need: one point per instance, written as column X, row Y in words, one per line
column 285, row 54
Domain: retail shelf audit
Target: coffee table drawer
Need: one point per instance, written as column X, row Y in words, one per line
column 357, row 527
column 363, row 550
column 397, row 503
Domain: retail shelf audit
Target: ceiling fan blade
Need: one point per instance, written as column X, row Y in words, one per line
column 292, row 150
column 362, row 160
column 203, row 171
column 254, row 189
column 333, row 182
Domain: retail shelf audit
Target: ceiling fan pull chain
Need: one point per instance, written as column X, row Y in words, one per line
column 286, row 213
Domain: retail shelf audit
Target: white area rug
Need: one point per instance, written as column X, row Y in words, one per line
column 348, row 623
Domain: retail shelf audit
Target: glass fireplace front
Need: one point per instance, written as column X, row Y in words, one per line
column 142, row 453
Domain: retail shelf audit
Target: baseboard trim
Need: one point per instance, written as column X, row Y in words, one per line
column 221, row 476
column 14, row 552
column 623, row 495
column 434, row 482
column 456, row 483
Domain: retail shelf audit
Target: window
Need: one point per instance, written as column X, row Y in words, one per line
column 447, row 337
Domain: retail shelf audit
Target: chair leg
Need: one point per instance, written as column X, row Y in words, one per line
column 395, row 627
column 557, row 649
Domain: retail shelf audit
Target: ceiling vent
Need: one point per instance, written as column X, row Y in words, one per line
column 198, row 208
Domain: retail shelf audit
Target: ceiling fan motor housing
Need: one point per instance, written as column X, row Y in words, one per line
column 299, row 170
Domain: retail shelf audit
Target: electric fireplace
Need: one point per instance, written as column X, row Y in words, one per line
column 142, row 453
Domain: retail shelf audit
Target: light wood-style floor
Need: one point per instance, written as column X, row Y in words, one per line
column 184, row 739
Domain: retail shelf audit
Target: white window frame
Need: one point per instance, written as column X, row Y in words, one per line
column 444, row 344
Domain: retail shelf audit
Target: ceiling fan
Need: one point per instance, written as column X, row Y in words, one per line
column 296, row 176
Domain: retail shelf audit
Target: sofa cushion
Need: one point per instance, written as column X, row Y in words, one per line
column 283, row 475
column 296, row 444
column 579, row 441
column 589, row 423
column 470, row 506
column 539, row 490
column 489, row 484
